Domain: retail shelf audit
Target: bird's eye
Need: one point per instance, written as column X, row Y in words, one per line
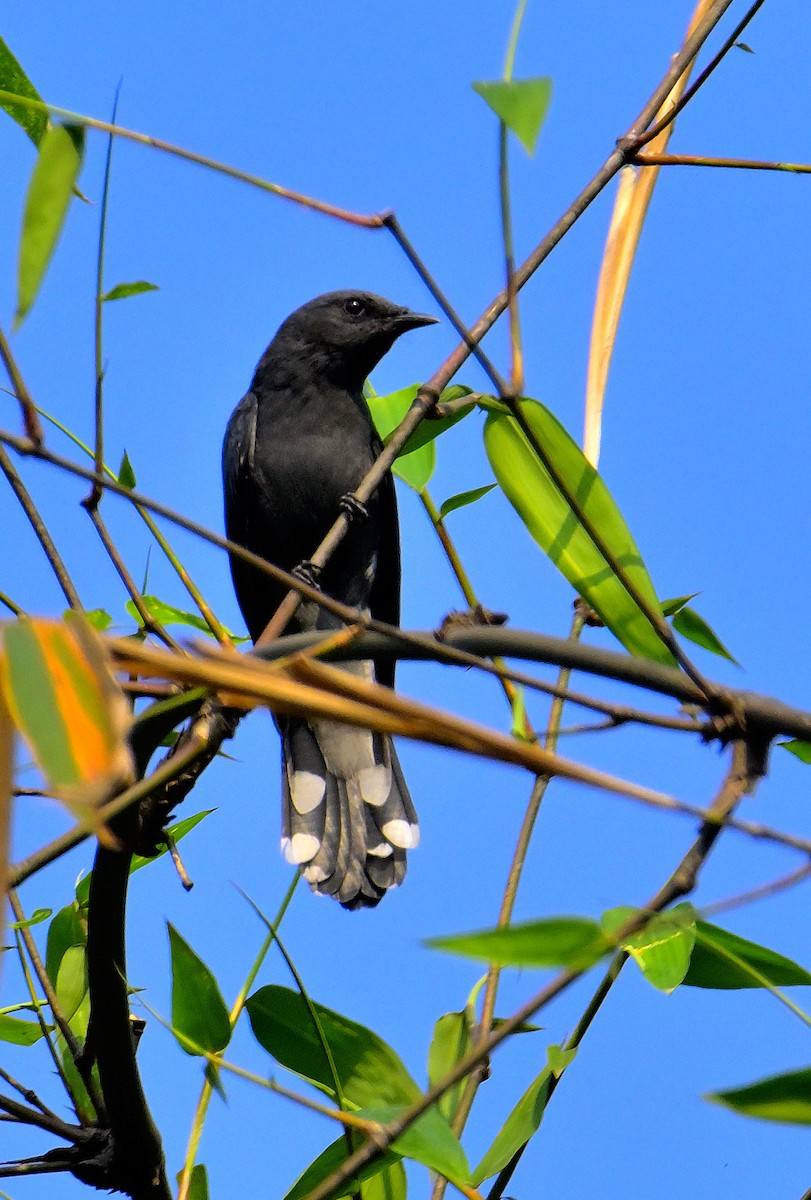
column 354, row 307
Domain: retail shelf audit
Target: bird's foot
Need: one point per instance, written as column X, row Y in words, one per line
column 308, row 572
column 352, row 507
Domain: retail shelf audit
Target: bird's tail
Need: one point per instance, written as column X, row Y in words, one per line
column 347, row 816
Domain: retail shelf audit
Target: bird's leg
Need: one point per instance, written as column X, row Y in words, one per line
column 352, row 507
column 308, row 572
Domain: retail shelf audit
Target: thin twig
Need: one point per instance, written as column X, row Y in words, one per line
column 646, row 159
column 702, row 78
column 329, row 210
column 40, row 529
column 31, row 422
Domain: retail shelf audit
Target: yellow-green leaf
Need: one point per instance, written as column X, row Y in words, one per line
column 122, row 291
column 66, row 703
column 14, row 79
column 46, row 205
column 784, row 1098
column 548, row 514
column 522, row 104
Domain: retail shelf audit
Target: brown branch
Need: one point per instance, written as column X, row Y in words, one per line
column 693, row 160
column 40, row 529
column 31, row 422
column 702, row 78
column 679, row 884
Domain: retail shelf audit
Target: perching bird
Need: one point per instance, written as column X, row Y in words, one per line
column 296, row 446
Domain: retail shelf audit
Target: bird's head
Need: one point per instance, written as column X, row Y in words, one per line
column 351, row 330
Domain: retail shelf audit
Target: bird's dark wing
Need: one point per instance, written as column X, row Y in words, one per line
column 384, row 599
column 239, row 485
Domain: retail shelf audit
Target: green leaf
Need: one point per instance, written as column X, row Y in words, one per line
column 167, row 614
column 450, row 1044
column 122, row 290
column 663, row 948
column 785, row 1098
column 522, row 104
column 176, row 832
column 552, row 522
column 433, row 427
column 71, row 980
column 388, row 1169
column 19, row 1033
column 430, row 1141
column 199, row 1015
column 198, row 1182
column 559, row 1059
column 744, row 46
column 798, row 748
column 555, row 942
column 126, row 475
column 690, row 625
column 671, row 607
column 46, row 205
column 521, row 1124
column 37, row 917
column 67, row 928
column 720, row 960
column 370, row 1072
column 416, row 462
column 14, row 79
column 416, row 466
column 462, row 499
column 99, row 619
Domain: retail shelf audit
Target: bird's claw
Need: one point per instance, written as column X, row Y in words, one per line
column 352, row 507
column 308, row 572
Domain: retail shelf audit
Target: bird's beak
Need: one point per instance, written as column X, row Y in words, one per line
column 407, row 319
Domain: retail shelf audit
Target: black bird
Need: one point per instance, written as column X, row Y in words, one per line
column 296, row 446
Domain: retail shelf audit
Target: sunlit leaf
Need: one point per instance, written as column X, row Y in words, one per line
column 67, row 704
column 663, row 948
column 450, row 1043
column 522, row 104
column 198, row 1182
column 388, row 1168
column 676, row 604
column 68, row 928
column 123, row 290
column 785, row 1098
column 692, row 626
column 720, row 960
column 798, row 748
column 430, row 1141
column 417, row 460
column 71, row 980
column 555, row 942
column 370, row 1072
column 46, row 205
column 559, row 532
column 558, row 1059
column 521, row 1124
column 462, row 499
column 37, row 917
column 167, row 614
column 199, row 1014
column 14, row 79
column 19, row 1033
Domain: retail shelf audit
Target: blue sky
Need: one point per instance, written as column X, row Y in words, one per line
column 705, row 450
